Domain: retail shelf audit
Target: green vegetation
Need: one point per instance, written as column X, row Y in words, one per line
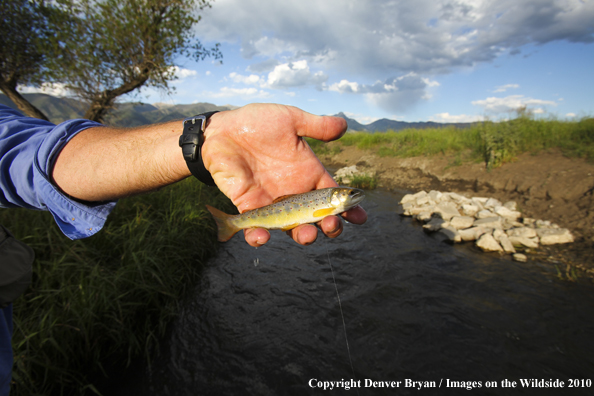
column 99, row 50
column 364, row 181
column 321, row 148
column 492, row 142
column 97, row 303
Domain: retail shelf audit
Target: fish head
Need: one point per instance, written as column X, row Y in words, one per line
column 346, row 198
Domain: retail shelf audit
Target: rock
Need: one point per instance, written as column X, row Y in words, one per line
column 407, row 199
column 435, row 224
column 520, row 257
column 543, row 224
column 505, row 212
column 346, row 173
column 523, row 241
column 422, row 200
column 478, row 219
column 526, row 232
column 511, row 205
column 447, row 210
column 471, row 234
column 451, row 233
column 457, row 198
column 504, row 241
column 488, row 244
column 470, row 209
column 489, row 222
column 492, row 203
column 509, row 224
column 461, row 222
column 529, row 222
column 415, row 210
column 408, row 205
column 435, row 196
column 554, row 236
column 424, row 216
column 480, row 200
column 484, row 214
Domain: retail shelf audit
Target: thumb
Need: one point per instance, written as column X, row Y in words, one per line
column 326, row 128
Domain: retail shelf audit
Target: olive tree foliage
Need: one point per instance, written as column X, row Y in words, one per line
column 103, row 49
column 114, row 47
column 24, row 33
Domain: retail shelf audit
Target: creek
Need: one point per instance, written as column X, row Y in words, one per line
column 267, row 321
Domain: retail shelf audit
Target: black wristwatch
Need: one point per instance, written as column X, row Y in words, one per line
column 191, row 142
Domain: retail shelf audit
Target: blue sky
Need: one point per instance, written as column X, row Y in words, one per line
column 410, row 60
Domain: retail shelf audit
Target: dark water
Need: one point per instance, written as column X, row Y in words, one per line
column 266, row 321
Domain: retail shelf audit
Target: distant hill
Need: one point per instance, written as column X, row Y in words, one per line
column 127, row 114
column 384, row 125
column 130, row 114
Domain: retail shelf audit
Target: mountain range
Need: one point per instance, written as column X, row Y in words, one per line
column 130, row 114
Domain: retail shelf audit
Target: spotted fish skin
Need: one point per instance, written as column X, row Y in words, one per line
column 289, row 211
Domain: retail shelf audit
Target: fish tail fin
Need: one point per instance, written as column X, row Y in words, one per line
column 225, row 229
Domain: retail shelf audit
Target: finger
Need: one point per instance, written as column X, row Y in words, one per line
column 256, row 236
column 326, row 128
column 356, row 215
column 331, row 226
column 305, row 234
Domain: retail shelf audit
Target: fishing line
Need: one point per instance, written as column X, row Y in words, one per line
column 342, row 315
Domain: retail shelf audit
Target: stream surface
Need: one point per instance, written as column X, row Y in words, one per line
column 267, row 321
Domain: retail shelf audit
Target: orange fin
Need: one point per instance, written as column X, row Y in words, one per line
column 290, row 227
column 277, row 199
column 323, row 212
column 225, row 229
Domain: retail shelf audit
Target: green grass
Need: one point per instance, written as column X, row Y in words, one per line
column 107, row 299
column 494, row 143
column 364, row 181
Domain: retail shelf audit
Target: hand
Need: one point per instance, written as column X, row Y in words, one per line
column 257, row 153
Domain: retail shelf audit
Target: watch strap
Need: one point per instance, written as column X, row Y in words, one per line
column 191, row 142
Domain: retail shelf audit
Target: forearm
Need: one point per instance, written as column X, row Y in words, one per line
column 106, row 163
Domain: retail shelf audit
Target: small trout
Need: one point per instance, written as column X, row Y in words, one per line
column 289, row 211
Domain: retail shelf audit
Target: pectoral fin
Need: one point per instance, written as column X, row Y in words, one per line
column 323, row 212
column 289, row 227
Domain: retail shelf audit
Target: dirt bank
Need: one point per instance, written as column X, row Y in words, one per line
column 546, row 186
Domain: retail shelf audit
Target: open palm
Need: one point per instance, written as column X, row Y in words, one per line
column 257, row 153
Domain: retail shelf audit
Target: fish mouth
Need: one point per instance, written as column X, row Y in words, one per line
column 355, row 196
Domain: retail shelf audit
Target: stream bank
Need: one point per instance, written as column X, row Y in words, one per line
column 546, row 186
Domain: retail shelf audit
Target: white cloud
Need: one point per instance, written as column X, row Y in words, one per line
column 397, row 37
column 249, row 93
column 447, row 117
column 344, row 86
column 295, row 74
column 283, row 76
column 311, row 42
column 250, row 80
column 570, row 115
column 393, row 94
column 182, row 73
column 503, row 88
column 46, row 88
column 512, row 103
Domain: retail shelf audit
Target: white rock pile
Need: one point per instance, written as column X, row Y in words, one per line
column 494, row 226
column 346, row 175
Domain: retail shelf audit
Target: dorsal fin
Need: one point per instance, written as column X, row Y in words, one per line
column 282, row 197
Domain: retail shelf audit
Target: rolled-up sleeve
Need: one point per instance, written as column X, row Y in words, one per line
column 28, row 149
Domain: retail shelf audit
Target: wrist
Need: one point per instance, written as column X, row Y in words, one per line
column 191, row 142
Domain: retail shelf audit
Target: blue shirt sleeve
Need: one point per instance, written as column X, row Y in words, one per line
column 28, row 150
